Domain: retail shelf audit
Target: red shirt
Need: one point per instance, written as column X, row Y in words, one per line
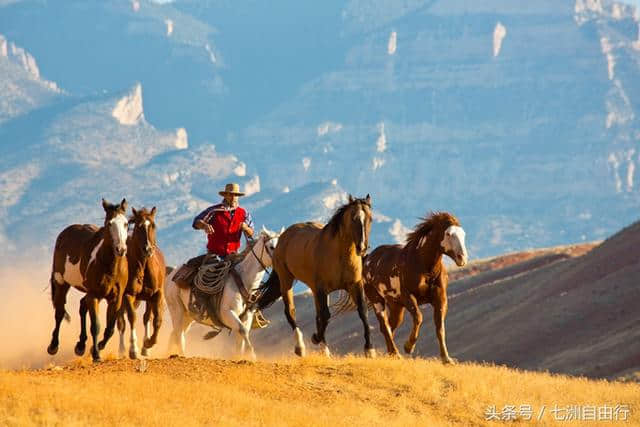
column 227, row 228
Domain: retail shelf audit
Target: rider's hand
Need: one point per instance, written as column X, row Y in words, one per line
column 207, row 228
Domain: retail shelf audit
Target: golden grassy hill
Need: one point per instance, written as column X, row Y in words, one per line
column 313, row 391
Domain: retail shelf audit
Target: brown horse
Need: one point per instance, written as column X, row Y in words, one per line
column 404, row 277
column 92, row 260
column 325, row 259
column 146, row 280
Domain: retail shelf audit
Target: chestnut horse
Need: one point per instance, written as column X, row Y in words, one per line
column 404, row 277
column 325, row 259
column 146, row 282
column 92, row 260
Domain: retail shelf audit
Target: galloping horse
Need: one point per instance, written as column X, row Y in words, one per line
column 398, row 277
column 92, row 260
column 235, row 311
column 325, row 259
column 146, row 282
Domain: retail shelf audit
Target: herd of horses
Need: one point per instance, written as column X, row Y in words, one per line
column 122, row 263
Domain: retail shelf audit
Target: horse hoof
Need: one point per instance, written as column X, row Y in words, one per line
column 326, row 351
column 449, row 361
column 146, row 352
column 79, row 350
column 52, row 349
column 370, row 353
column 96, row 358
column 408, row 348
column 315, row 339
column 101, row 345
column 133, row 355
column 300, row 351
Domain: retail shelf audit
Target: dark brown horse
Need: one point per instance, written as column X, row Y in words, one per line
column 325, row 259
column 92, row 260
column 404, row 277
column 146, row 280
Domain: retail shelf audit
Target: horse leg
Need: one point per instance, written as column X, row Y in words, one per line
column 82, row 340
column 322, row 319
column 243, row 331
column 156, row 306
column 146, row 319
column 179, row 318
column 113, row 307
column 357, row 293
column 414, row 309
column 121, row 324
column 59, row 292
column 129, row 307
column 92, row 304
column 439, row 314
column 286, row 289
column 396, row 316
column 379, row 307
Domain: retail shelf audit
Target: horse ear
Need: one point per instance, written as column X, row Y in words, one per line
column 264, row 230
column 350, row 198
column 134, row 211
column 281, row 230
column 153, row 211
column 123, row 204
column 105, row 204
column 368, row 199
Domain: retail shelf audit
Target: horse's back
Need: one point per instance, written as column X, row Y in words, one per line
column 381, row 262
column 295, row 251
column 73, row 240
column 297, row 236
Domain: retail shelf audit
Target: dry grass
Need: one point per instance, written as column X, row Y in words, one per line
column 313, row 391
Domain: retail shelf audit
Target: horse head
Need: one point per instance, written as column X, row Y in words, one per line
column 265, row 246
column 453, row 244
column 357, row 218
column 116, row 223
column 144, row 230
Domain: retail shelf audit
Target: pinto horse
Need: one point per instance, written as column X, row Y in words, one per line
column 92, row 260
column 326, row 258
column 404, row 277
column 146, row 282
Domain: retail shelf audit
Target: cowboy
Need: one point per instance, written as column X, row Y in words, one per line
column 225, row 222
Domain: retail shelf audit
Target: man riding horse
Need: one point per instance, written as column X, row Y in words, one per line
column 225, row 222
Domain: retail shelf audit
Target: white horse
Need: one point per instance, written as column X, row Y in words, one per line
column 232, row 304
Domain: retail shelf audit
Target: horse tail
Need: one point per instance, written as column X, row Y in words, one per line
column 346, row 304
column 52, row 285
column 269, row 291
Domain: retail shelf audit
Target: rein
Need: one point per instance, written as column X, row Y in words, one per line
column 251, row 298
column 259, row 258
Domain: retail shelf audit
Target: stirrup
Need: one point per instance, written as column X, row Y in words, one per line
column 259, row 321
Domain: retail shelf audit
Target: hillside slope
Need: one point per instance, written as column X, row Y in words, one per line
column 292, row 392
column 575, row 315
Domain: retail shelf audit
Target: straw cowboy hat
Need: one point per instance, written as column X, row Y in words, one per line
column 231, row 188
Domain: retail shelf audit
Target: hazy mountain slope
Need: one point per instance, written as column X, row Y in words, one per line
column 518, row 117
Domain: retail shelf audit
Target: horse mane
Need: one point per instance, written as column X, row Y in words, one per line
column 428, row 224
column 334, row 223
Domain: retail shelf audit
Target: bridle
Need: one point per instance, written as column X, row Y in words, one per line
column 264, row 248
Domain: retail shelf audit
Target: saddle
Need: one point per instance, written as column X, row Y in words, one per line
column 205, row 275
